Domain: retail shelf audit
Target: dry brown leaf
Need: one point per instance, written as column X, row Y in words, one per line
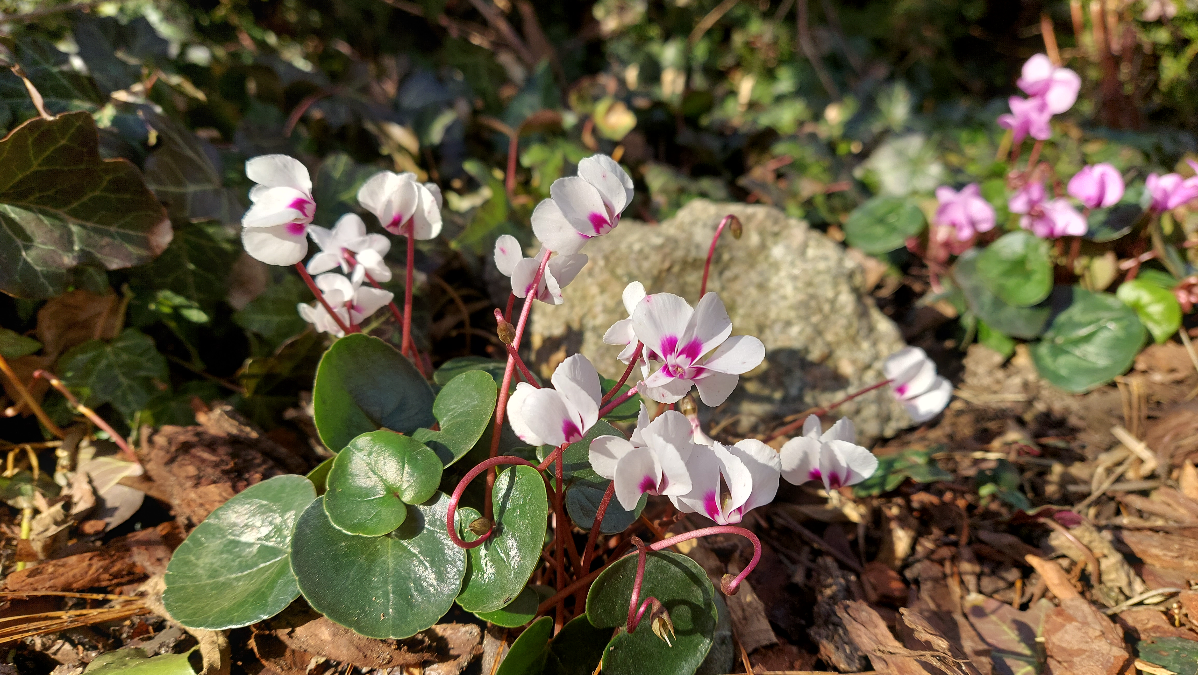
column 1010, row 634
column 1187, row 481
column 1146, row 622
column 1168, row 551
column 870, row 634
column 121, row 561
column 76, row 317
column 926, row 630
column 1079, row 639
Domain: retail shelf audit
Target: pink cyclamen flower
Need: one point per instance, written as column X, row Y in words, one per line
column 1097, row 186
column 915, row 382
column 349, row 234
column 1031, row 195
column 560, row 271
column 1170, row 190
column 834, row 457
column 1053, row 219
column 679, row 337
column 729, row 481
column 399, row 198
column 966, row 211
column 1057, row 86
column 282, row 206
column 583, row 206
column 1029, row 117
column 621, row 333
column 653, row 461
column 560, row 415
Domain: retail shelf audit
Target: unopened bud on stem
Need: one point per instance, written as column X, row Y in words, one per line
column 735, row 227
column 480, row 526
column 661, row 624
column 506, row 332
column 687, row 406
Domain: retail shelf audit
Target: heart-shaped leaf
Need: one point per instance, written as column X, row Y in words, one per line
column 363, row 384
column 1114, row 222
column 125, row 372
column 577, row 648
column 576, row 462
column 375, row 478
column 501, row 566
column 320, row 475
column 1157, row 307
column 1017, row 268
column 464, row 409
column 583, row 499
column 393, row 586
column 1022, row 322
column 63, row 205
column 462, row 364
column 527, row 656
column 882, row 224
column 1089, row 343
column 684, row 590
column 233, row 569
column 135, row 661
column 521, row 610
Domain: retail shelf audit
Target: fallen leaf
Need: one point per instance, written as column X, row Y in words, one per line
column 1144, row 623
column 870, row 634
column 1168, row 551
column 1010, row 633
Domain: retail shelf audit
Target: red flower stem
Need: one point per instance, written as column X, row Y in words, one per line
column 502, row 402
column 637, row 354
column 512, row 354
column 406, row 322
column 615, row 403
column 635, row 611
column 729, row 585
column 786, row 429
column 87, row 412
column 512, row 298
column 416, row 358
column 712, row 249
column 486, row 464
column 560, row 531
column 1033, row 155
column 594, row 534
column 312, row 286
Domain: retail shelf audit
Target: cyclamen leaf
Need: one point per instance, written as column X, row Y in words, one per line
column 233, row 569
column 521, row 610
column 577, row 648
column 1157, row 307
column 135, row 661
column 375, row 478
column 583, row 500
column 125, row 372
column 1017, row 268
column 882, row 224
column 1092, row 341
column 464, row 410
column 1022, row 322
column 62, row 205
column 527, row 656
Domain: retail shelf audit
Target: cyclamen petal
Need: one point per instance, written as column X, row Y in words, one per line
column 832, row 458
column 1057, row 86
column 561, row 414
column 279, row 245
column 727, row 482
column 278, row 171
column 372, row 263
column 1170, row 191
column 610, row 180
column 966, row 211
column 655, row 460
column 552, row 229
column 515, row 413
column 277, row 206
column 507, row 254
column 582, row 205
column 1097, row 186
column 913, row 378
column 1029, row 117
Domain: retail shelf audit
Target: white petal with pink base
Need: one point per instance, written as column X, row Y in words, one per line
column 584, row 206
column 562, row 414
column 621, row 333
column 729, row 481
column 832, row 457
column 349, row 234
column 360, row 301
column 916, row 383
column 560, row 271
column 398, row 199
column 653, row 461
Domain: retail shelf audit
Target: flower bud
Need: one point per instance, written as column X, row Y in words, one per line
column 687, row 406
column 662, row 626
column 735, row 227
column 729, row 584
column 480, row 526
column 506, row 331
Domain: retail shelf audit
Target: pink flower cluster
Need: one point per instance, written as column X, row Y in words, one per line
column 1051, row 89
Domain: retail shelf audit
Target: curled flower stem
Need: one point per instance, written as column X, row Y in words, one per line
column 502, row 402
column 28, row 399
column 87, row 412
column 636, row 611
column 729, row 584
column 789, row 428
column 485, row 465
column 615, row 403
column 312, row 286
column 637, row 354
column 712, row 248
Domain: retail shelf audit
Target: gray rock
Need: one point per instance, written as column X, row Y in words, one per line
column 791, row 286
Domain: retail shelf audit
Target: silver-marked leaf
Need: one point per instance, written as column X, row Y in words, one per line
column 185, row 173
column 125, row 372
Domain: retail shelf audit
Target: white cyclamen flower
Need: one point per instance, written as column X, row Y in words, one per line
column 560, row 271
column 728, row 481
column 349, row 234
column 398, row 198
column 282, row 206
column 832, row 458
column 916, row 383
column 653, row 461
column 321, row 319
column 679, row 337
column 360, row 301
column 583, row 206
column 621, row 332
column 560, row 415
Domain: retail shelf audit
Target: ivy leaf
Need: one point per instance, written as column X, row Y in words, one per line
column 882, row 224
column 684, row 590
column 464, row 409
column 185, row 173
column 62, row 205
column 375, row 478
column 101, row 39
column 1157, row 307
column 63, row 88
column 1114, row 222
column 195, row 266
column 233, row 569
column 1017, row 268
column 1092, row 341
column 501, row 566
column 393, row 586
column 13, row 345
column 364, row 384
column 1022, row 322
column 125, row 372
column 273, row 313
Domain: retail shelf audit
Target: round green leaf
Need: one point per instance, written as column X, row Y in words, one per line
column 501, row 566
column 393, row 586
column 1022, row 322
column 577, row 464
column 232, row 570
column 363, row 384
column 577, row 648
column 1089, row 343
column 883, row 224
column 527, row 656
column 583, row 499
column 320, row 474
column 464, row 409
column 1017, row 268
column 684, row 590
column 1157, row 307
column 521, row 610
column 1114, row 222
column 375, row 478
column 995, row 340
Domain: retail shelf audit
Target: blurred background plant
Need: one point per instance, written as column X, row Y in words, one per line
column 812, row 106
